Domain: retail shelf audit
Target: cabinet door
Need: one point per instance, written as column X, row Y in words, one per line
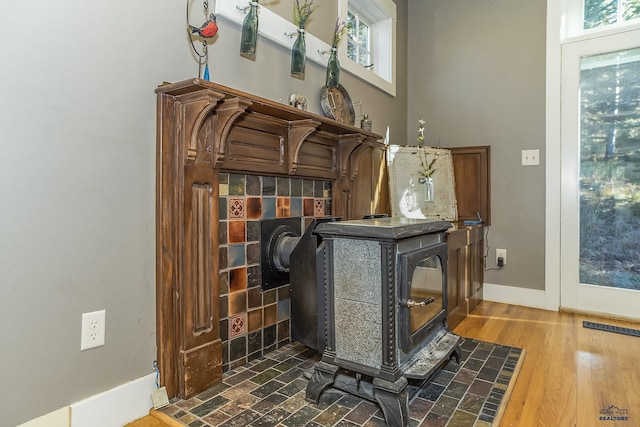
column 472, row 173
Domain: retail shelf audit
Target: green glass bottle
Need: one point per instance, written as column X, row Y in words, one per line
column 298, row 55
column 249, row 37
column 333, row 69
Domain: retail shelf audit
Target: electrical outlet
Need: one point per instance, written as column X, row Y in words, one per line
column 501, row 253
column 530, row 157
column 92, row 329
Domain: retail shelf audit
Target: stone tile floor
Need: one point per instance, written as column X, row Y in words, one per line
column 270, row 391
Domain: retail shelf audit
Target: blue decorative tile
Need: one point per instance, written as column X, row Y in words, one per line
column 268, row 207
column 283, row 309
column 296, row 206
column 236, row 255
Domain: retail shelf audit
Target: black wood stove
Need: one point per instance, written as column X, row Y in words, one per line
column 383, row 302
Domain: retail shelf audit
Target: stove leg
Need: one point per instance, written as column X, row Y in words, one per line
column 456, row 354
column 323, row 376
column 392, row 398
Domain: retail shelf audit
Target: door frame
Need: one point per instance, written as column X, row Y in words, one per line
column 573, row 295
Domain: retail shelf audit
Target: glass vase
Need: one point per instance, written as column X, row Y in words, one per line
column 429, row 190
column 333, row 69
column 298, row 55
column 249, row 37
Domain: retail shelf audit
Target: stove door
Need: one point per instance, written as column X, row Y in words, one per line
column 423, row 295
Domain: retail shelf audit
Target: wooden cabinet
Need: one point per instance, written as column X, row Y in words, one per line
column 472, row 170
column 465, row 271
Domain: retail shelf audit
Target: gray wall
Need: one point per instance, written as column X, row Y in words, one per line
column 476, row 75
column 77, row 180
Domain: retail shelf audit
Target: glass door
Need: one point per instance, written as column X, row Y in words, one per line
column 601, row 175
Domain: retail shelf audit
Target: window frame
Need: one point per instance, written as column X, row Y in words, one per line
column 382, row 47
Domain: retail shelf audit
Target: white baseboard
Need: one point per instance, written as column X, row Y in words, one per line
column 513, row 295
column 59, row 418
column 115, row 407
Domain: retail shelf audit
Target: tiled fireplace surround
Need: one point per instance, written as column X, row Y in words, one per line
column 253, row 322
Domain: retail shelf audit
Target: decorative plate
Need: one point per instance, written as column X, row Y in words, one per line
column 336, row 104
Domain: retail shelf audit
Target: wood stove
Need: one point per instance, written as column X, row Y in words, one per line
column 385, row 302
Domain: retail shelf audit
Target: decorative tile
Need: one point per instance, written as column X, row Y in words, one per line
column 270, row 297
column 222, row 208
column 254, row 341
column 238, row 349
column 254, row 186
column 223, row 257
column 224, row 282
column 236, row 208
column 254, row 318
column 296, row 187
column 283, row 330
column 307, row 207
column 269, row 336
column 327, row 189
column 270, row 315
column 318, row 207
column 268, row 207
column 283, row 309
column 283, row 187
column 236, row 256
column 237, row 302
column 224, row 306
column 253, row 231
column 224, row 329
column 253, row 253
column 237, row 325
column 236, row 184
column 318, row 189
column 237, row 231
column 296, row 206
column 254, row 207
column 268, row 186
column 327, row 207
column 238, row 279
column 254, row 276
column 282, row 207
column 222, row 233
column 307, row 188
column 254, row 297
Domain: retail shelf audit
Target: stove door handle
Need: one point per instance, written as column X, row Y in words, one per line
column 411, row 303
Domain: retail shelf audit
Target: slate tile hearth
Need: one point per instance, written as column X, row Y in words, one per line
column 270, row 392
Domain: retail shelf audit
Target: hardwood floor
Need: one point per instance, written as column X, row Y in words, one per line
column 570, row 374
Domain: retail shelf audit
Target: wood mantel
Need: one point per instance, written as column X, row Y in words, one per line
column 202, row 129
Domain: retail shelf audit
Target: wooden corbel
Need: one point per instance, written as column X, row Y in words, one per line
column 226, row 115
column 348, row 143
column 299, row 130
column 196, row 106
column 354, row 158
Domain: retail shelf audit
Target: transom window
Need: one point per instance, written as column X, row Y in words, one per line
column 599, row 13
